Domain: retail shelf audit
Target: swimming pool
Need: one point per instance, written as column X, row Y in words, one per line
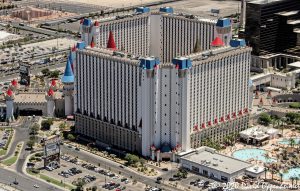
column 293, row 172
column 257, row 154
column 287, row 141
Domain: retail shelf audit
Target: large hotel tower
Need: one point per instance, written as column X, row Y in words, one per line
column 160, row 83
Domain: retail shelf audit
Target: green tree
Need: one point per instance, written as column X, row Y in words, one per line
column 281, row 175
column 296, row 178
column 46, row 124
column 131, row 159
column 264, row 119
column 62, row 126
column 54, row 74
column 30, row 144
column 45, row 72
column 34, row 129
column 266, row 170
column 292, row 142
column 295, row 105
column 71, row 137
column 292, row 179
column 297, row 82
column 292, row 117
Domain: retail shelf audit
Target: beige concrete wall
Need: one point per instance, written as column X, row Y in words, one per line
column 107, row 133
column 218, row 132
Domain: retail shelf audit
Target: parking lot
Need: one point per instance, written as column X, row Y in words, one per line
column 25, row 33
column 10, row 57
column 74, row 171
column 4, row 138
column 72, row 7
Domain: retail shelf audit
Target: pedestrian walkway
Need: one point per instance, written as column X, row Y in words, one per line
column 4, row 187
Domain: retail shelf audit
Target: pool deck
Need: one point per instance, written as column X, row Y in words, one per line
column 272, row 149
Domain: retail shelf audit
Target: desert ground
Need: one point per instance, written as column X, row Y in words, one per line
column 197, row 7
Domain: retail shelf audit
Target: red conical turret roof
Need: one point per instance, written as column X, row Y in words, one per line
column 73, row 48
column 53, row 82
column 111, row 41
column 50, row 92
column 14, row 82
column 222, row 119
column 228, row 117
column 209, row 123
column 261, row 100
column 92, row 43
column 96, row 23
column 240, row 112
column 217, row 42
column 216, row 121
column 9, row 92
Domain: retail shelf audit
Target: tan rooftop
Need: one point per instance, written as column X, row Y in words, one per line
column 34, row 97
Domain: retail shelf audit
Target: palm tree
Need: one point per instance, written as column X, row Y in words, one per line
column 283, row 120
column 292, row 179
column 296, row 178
column 281, row 175
column 266, row 170
column 273, row 171
column 267, row 157
column 292, row 142
column 284, row 154
column 274, row 121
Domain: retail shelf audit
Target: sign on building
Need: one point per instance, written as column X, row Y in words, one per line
column 25, row 74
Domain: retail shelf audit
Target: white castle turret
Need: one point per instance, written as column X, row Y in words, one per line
column 9, row 98
column 224, row 30
column 89, row 31
column 68, row 81
column 50, row 97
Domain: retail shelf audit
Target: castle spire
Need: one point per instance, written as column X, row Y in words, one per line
column 92, row 43
column 68, row 76
column 111, row 41
column 217, row 42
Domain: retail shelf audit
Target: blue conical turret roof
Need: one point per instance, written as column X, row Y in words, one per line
column 68, row 76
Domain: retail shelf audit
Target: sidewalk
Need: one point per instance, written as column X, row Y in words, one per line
column 12, row 124
column 4, row 187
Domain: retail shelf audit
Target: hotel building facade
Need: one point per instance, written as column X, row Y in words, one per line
column 148, row 91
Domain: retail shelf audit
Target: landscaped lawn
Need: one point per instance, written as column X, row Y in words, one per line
column 3, row 152
column 10, row 161
column 56, row 182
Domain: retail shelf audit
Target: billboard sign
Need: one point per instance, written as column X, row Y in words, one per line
column 52, row 150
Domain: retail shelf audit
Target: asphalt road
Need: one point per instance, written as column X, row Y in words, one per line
column 115, row 167
column 32, row 71
column 25, row 183
column 39, row 30
column 21, row 134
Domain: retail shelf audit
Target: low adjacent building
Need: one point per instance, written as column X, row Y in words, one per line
column 255, row 171
column 208, row 162
column 258, row 135
column 36, row 102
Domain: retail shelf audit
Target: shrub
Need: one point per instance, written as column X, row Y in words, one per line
column 295, row 105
